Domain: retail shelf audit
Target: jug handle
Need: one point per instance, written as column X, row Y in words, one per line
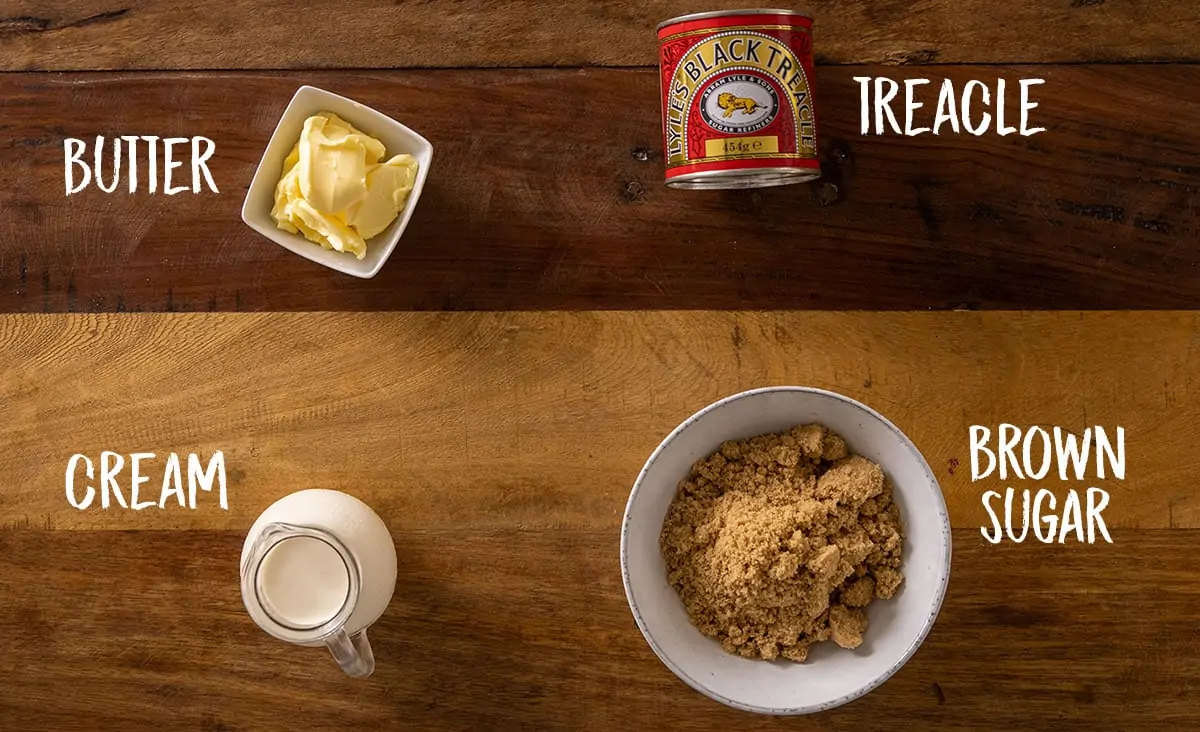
column 352, row 652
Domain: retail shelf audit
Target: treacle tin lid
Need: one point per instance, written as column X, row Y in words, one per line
column 724, row 13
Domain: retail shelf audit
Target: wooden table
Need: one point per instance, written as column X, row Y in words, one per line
column 552, row 312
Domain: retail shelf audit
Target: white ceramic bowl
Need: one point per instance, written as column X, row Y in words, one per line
column 831, row 676
column 396, row 138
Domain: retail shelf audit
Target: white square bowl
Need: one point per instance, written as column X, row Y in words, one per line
column 260, row 197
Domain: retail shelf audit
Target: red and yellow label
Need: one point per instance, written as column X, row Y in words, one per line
column 737, row 93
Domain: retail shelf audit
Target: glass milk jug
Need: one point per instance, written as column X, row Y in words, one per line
column 318, row 567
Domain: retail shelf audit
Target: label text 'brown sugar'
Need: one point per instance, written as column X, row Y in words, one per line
column 1030, row 455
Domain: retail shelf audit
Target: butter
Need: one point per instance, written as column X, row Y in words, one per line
column 334, row 189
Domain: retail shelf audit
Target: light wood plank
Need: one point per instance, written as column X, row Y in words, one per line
column 158, row 34
column 534, row 420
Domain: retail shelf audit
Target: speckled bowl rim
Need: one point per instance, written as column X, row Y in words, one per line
column 939, row 505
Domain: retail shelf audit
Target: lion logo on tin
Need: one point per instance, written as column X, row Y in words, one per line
column 738, row 104
column 731, row 104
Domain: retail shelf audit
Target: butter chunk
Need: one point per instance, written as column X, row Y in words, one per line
column 333, row 232
column 335, row 191
column 388, row 186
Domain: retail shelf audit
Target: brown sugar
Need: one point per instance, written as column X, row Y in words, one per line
column 779, row 541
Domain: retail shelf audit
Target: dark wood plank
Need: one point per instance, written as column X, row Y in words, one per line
column 159, row 34
column 530, row 630
column 546, row 193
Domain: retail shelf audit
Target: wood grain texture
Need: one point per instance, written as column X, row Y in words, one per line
column 547, row 199
column 510, row 630
column 541, row 420
column 158, row 34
